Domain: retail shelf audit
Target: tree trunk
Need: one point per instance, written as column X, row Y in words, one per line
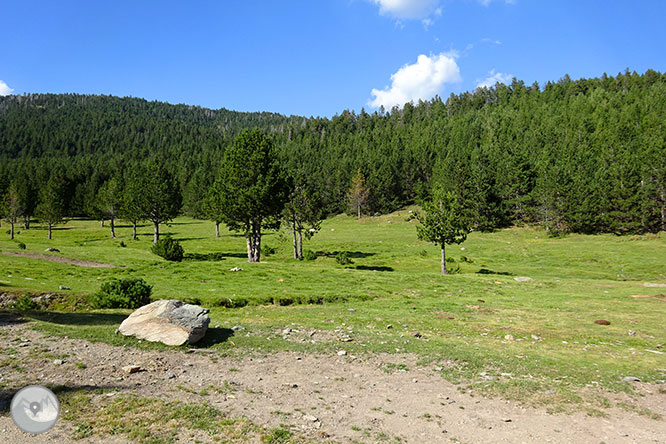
column 156, row 232
column 101, row 223
column 49, row 230
column 359, row 211
column 254, row 244
column 300, row 244
column 293, row 234
column 444, row 261
column 11, row 230
column 26, row 222
column 133, row 230
column 113, row 230
column 217, row 229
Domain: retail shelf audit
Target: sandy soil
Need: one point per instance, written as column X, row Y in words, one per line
column 342, row 398
column 63, row 260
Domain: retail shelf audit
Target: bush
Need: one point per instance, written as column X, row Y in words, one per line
column 25, row 303
column 168, row 248
column 343, row 258
column 309, row 255
column 122, row 244
column 21, row 246
column 122, row 293
column 265, row 249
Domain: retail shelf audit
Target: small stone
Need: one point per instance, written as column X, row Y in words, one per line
column 417, row 334
column 438, row 368
column 129, row 369
column 536, row 338
column 290, row 384
column 352, row 310
column 522, row 279
column 52, row 250
column 236, row 269
column 389, row 326
column 58, row 361
column 509, row 337
column 310, row 418
column 286, row 331
column 631, row 379
column 170, row 376
column 507, row 420
column 64, row 287
column 342, row 353
column 415, row 380
column 632, row 333
column 238, row 328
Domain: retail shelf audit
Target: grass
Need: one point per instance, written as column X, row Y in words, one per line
column 534, row 341
column 152, row 421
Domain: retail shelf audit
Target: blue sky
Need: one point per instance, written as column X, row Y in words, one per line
column 318, row 57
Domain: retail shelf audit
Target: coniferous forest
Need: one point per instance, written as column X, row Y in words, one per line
column 584, row 155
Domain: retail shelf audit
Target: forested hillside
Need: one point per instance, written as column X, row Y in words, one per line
column 584, row 156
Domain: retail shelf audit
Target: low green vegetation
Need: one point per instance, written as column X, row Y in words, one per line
column 122, row 293
column 517, row 320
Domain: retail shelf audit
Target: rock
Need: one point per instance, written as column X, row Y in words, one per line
column 417, row 334
column 631, row 379
column 602, row 322
column 238, row 328
column 64, row 287
column 509, row 337
column 52, row 250
column 236, row 269
column 129, row 369
column 342, row 353
column 170, row 376
column 389, row 326
column 171, row 322
column 58, row 361
column 523, row 279
column 310, row 418
column 286, row 331
column 536, row 338
column 632, row 333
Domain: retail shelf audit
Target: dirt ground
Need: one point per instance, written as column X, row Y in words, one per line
column 343, row 398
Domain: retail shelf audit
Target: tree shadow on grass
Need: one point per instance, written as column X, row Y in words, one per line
column 213, row 336
column 374, row 268
column 203, row 257
column 77, row 318
column 238, row 255
column 350, row 254
column 486, row 271
column 7, row 394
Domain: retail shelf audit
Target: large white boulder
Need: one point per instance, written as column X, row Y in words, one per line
column 171, row 322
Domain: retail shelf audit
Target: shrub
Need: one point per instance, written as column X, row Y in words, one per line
column 21, row 246
column 343, row 258
column 423, row 253
column 25, row 303
column 451, row 266
column 309, row 255
column 122, row 293
column 265, row 249
column 122, row 244
column 168, row 248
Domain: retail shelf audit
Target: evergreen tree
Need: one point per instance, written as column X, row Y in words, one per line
column 51, row 208
column 357, row 195
column 252, row 188
column 161, row 197
column 109, row 201
column 442, row 221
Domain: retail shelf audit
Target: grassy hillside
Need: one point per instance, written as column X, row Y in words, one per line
column 534, row 339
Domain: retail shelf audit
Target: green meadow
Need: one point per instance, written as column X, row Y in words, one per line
column 533, row 339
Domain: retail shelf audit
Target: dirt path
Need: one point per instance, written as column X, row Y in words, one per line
column 352, row 398
column 63, row 260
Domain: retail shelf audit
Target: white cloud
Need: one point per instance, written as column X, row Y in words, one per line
column 422, row 80
column 494, row 77
column 409, row 9
column 5, row 90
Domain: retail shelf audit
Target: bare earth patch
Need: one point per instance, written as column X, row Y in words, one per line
column 342, row 398
column 63, row 260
